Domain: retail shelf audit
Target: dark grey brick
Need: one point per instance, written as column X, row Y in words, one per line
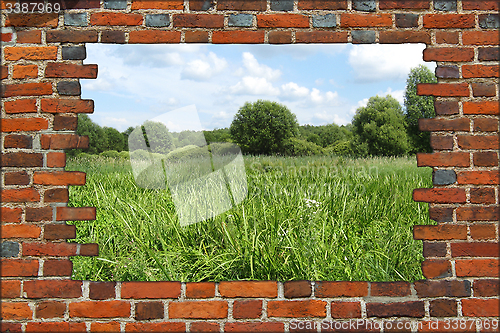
column 75, row 19
column 324, row 21
column 157, row 20
column 489, row 21
column 115, row 4
column 363, row 37
column 447, row 72
column 444, row 177
column 445, row 5
column 406, row 20
column 69, row 88
column 74, row 53
column 282, row 5
column 10, row 249
column 240, row 20
column 365, row 6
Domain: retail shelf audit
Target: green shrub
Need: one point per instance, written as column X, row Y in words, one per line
column 341, row 148
column 124, row 154
column 140, row 154
column 300, row 147
column 187, row 152
column 110, row 153
column 224, row 148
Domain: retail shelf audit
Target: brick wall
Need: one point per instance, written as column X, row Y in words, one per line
column 41, row 66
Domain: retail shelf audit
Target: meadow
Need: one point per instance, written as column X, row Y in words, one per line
column 304, row 218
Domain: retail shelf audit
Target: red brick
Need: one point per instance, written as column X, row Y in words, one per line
column 7, row 326
column 38, row 214
column 480, row 38
column 238, row 37
column 72, row 36
column 241, row 327
column 198, row 21
column 477, row 267
column 26, row 89
column 23, row 124
column 445, row 159
column 56, row 160
column 400, row 4
column 482, row 89
column 19, row 267
column 32, row 20
column 10, row 289
column 63, row 141
column 75, row 213
column 447, row 21
column 158, row 290
column 102, row 290
column 478, row 141
column 149, row 310
column 25, row 72
column 114, row 19
column 476, row 249
column 393, row 289
column 479, row 177
column 280, row 37
column 55, row 327
column 257, row 5
column 29, row 37
column 56, row 195
column 441, row 214
column 53, row 288
column 49, row 249
column 478, row 213
column 365, row 20
column 99, row 309
column 440, row 195
column 31, row 53
column 20, row 195
column 205, row 327
column 443, row 89
column 156, row 327
column 152, row 36
column 282, row 21
column 295, row 289
column 200, row 289
column 341, row 289
column 440, row 232
column 396, row 309
column 446, row 107
column 443, row 308
column 20, row 231
column 21, row 106
column 449, row 288
column 113, row 37
column 322, row 4
column 268, row 289
column 486, row 288
column 10, row 214
column 486, row 71
column 112, row 326
column 196, row 37
column 15, row 310
column 342, row 310
column 436, row 268
column 198, row 309
column 296, row 309
column 67, row 105
column 480, row 307
column 402, row 37
column 163, row 4
column 59, row 178
column 90, row 249
column 320, row 37
column 434, row 249
column 50, row 309
column 247, row 309
column 65, row 123
column 201, row 5
column 80, row 4
column 480, row 5
column 58, row 70
column 18, row 141
column 482, row 195
column 435, row 125
column 482, row 231
column 448, row 54
column 484, row 107
column 6, row 37
column 57, row 267
column 447, row 37
column 441, row 142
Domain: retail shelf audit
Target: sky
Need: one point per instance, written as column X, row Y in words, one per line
column 321, row 84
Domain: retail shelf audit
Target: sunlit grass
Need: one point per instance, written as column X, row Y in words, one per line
column 312, row 218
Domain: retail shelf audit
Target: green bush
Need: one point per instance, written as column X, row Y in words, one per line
column 124, row 154
column 187, row 152
column 224, row 148
column 140, row 154
column 341, row 148
column 300, row 147
column 110, row 153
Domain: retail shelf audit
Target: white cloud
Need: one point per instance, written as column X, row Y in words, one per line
column 250, row 85
column 258, row 70
column 292, row 91
column 317, row 97
column 319, row 82
column 378, row 62
column 361, row 104
column 156, row 56
column 399, row 95
column 204, row 69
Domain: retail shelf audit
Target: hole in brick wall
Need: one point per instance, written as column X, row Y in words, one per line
column 335, row 214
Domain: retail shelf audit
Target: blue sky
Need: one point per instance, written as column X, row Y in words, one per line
column 321, row 84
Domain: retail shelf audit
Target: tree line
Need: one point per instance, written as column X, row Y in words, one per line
column 382, row 128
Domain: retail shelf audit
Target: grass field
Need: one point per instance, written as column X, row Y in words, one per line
column 312, row 218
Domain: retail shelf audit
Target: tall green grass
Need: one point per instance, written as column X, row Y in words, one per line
column 312, row 218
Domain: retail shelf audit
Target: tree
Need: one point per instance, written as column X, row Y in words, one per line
column 380, row 127
column 418, row 107
column 115, row 140
column 263, row 127
column 155, row 135
column 98, row 140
